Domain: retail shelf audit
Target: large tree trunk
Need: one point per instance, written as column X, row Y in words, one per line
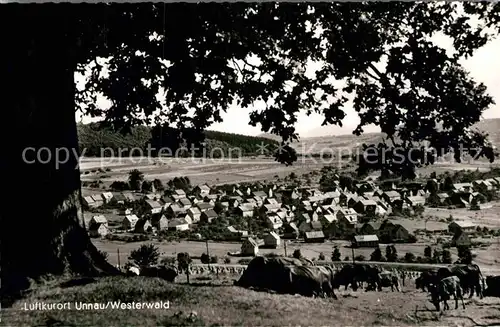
column 42, row 218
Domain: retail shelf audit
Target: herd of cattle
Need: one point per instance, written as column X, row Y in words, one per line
column 300, row 276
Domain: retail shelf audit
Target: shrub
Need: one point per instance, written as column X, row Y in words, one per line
column 321, row 257
column 412, row 238
column 391, row 253
column 336, row 254
column 428, row 252
column 227, row 260
column 346, row 258
column 409, row 257
column 205, row 258
column 214, row 259
column 376, row 255
column 359, row 258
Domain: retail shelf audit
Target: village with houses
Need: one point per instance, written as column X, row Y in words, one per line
column 270, row 215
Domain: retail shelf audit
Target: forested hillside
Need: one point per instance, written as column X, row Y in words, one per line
column 96, row 141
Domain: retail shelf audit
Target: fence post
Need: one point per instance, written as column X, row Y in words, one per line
column 118, row 254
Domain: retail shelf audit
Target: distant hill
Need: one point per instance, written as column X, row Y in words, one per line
column 270, row 136
column 349, row 141
column 94, row 139
column 492, row 127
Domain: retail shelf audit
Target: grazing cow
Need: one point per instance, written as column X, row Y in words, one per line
column 283, row 275
column 470, row 277
column 426, row 279
column 492, row 286
column 328, row 279
column 388, row 279
column 312, row 281
column 269, row 274
column 351, row 274
column 447, row 287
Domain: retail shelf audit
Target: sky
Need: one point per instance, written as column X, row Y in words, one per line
column 483, row 67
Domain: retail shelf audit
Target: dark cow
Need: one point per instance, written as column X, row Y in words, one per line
column 388, row 279
column 426, row 279
column 311, row 281
column 165, row 272
column 470, row 277
column 492, row 286
column 447, row 287
column 270, row 274
column 328, row 280
column 353, row 274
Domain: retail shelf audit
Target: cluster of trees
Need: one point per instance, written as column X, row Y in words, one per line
column 468, row 176
column 95, row 140
column 98, row 140
column 329, row 174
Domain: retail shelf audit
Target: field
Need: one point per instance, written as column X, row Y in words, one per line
column 215, row 302
column 212, row 171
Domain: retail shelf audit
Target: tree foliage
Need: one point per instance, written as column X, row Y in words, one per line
column 376, row 255
column 135, row 179
column 336, row 254
column 184, row 263
column 428, row 252
column 244, row 53
column 146, row 255
column 391, row 253
column 464, row 255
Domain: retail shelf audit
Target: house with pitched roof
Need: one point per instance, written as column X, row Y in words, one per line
column 366, row 207
column 178, row 224
column 129, row 222
column 202, row 190
column 461, row 226
column 316, row 236
column 249, row 247
column 460, row 239
column 153, row 206
column 88, row 202
column 290, row 231
column 208, row 215
column 347, row 219
column 365, row 241
column 391, row 196
column 143, row 226
column 159, row 221
column 99, row 219
column 272, row 240
column 245, row 210
column 107, row 197
column 98, row 230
